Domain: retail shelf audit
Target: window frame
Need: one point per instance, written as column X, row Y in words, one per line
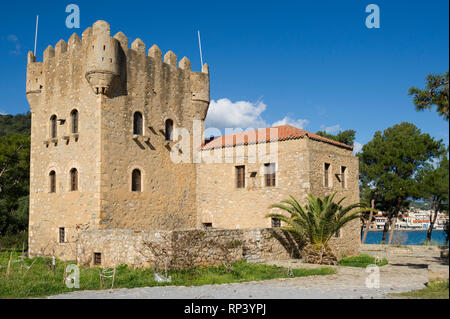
column 326, row 174
column 52, row 181
column 240, row 176
column 134, row 187
column 275, row 222
column 168, row 129
column 270, row 175
column 138, row 123
column 62, row 235
column 53, row 126
column 343, row 177
column 74, row 121
column 97, row 259
column 73, row 173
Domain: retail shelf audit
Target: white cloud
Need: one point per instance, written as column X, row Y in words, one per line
column 331, row 129
column 300, row 123
column 357, row 148
column 242, row 114
column 224, row 113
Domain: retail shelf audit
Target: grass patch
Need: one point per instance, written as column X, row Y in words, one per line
column 362, row 260
column 434, row 290
column 39, row 280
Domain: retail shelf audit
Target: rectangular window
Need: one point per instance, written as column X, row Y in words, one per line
column 97, row 259
column 326, row 174
column 240, row 176
column 338, row 233
column 343, row 176
column 62, row 235
column 270, row 174
column 276, row 223
column 207, row 225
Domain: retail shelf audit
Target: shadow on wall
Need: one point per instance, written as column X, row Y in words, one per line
column 291, row 243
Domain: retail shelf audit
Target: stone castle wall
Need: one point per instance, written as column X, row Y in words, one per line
column 106, row 82
column 57, row 86
column 299, row 172
column 320, row 153
column 184, row 248
column 189, row 248
column 224, row 205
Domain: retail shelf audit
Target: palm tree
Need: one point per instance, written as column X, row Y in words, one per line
column 316, row 223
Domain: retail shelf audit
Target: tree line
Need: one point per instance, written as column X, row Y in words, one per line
column 14, row 172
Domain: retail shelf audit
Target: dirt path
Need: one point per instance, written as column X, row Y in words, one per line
column 405, row 272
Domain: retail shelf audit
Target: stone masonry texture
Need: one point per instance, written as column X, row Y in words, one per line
column 107, row 82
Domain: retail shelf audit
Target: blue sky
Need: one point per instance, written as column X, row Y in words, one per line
column 310, row 63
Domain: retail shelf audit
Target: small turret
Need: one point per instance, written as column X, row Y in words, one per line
column 103, row 59
column 200, row 91
column 34, row 79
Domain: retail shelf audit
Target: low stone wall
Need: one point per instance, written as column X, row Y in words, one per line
column 193, row 247
column 185, row 248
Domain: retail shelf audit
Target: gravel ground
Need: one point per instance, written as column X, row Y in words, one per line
column 404, row 273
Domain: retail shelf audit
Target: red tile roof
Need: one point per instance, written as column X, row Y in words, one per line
column 285, row 132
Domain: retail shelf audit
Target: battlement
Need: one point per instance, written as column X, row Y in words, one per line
column 103, row 58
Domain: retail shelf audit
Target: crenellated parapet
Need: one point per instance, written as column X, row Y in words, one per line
column 107, row 65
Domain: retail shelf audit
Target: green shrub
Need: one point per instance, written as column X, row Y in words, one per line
column 362, row 260
column 433, row 290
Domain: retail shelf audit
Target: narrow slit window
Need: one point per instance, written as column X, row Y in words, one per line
column 73, row 179
column 136, row 181
column 169, row 130
column 276, row 223
column 52, row 178
column 270, row 176
column 74, row 117
column 62, row 235
column 97, row 259
column 343, row 176
column 138, row 124
column 240, row 176
column 326, row 175
column 53, row 130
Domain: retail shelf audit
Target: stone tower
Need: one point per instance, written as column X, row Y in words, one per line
column 100, row 146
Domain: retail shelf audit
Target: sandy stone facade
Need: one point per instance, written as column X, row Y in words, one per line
column 107, row 83
column 184, row 248
column 105, row 121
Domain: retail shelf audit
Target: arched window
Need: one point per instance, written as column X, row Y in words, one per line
column 169, row 130
column 73, row 179
column 53, row 126
column 138, row 124
column 52, row 181
column 74, row 120
column 136, row 181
